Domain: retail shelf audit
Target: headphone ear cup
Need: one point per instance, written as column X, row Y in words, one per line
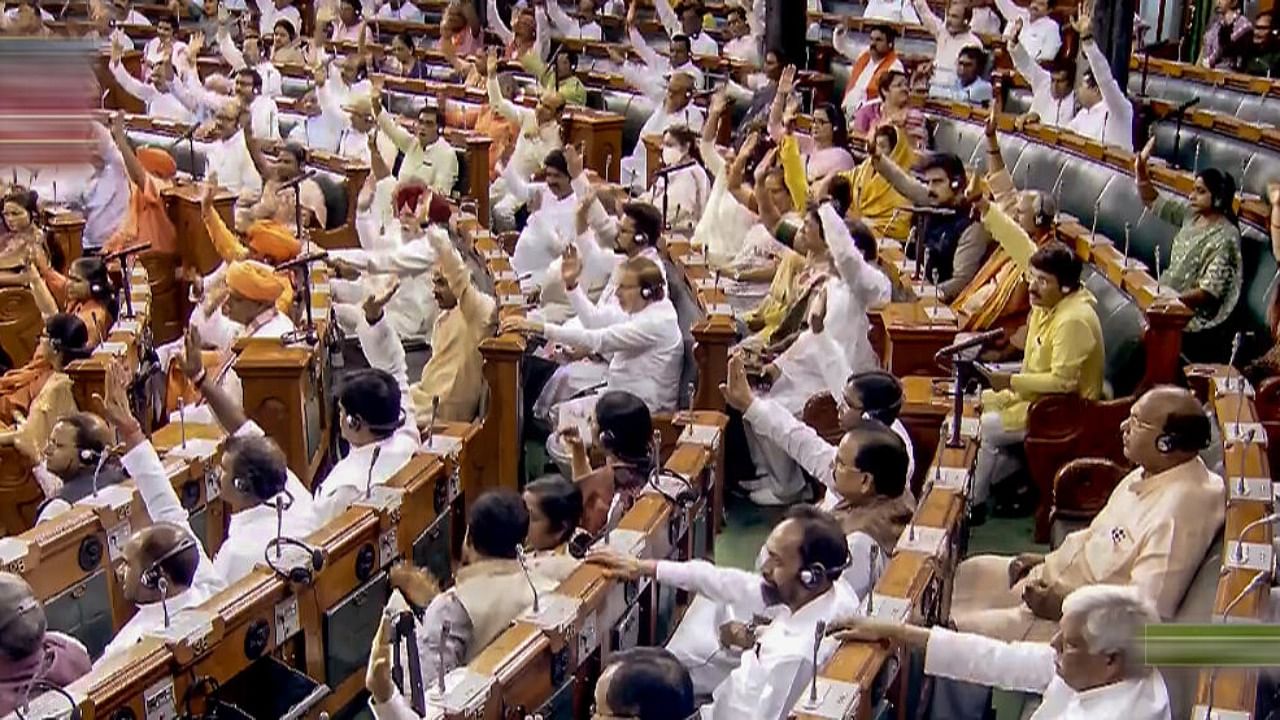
column 1164, row 444
column 87, row 456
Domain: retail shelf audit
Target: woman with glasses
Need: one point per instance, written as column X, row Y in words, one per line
column 823, row 149
column 40, row 391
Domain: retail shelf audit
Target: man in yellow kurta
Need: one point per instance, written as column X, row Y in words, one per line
column 1152, row 534
column 454, row 374
column 1063, row 355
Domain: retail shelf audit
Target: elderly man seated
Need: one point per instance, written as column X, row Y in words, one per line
column 1091, row 668
column 1152, row 533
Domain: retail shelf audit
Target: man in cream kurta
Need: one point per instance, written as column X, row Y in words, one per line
column 491, row 591
column 1152, row 533
column 455, row 372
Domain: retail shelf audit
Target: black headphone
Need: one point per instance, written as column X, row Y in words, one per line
column 153, row 578
column 354, row 423
column 649, row 291
column 1186, row 438
column 302, row 574
column 814, row 574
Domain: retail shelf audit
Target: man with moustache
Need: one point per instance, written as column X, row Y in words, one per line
column 1064, row 354
column 798, row 586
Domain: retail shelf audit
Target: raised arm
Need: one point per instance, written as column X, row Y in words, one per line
column 928, row 19
column 1142, row 173
column 227, row 48
column 564, row 24
column 1012, row 12
column 226, row 409
column 843, row 45
column 224, row 241
column 501, row 105
column 871, row 286
column 670, row 21
column 496, row 24
column 475, row 305
column 906, row 185
column 646, row 53
column 137, row 173
column 131, row 84
column 1037, row 77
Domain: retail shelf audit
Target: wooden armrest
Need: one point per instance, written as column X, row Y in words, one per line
column 1081, row 488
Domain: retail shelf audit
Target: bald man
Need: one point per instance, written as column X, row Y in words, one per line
column 166, row 569
column 28, row 650
column 1152, row 534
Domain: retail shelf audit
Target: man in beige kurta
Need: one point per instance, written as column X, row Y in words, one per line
column 455, row 372
column 1153, row 532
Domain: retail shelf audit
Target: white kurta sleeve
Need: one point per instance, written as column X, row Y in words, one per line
column 397, row 708
column 148, row 474
column 802, row 443
column 1020, row 666
column 868, row 284
column 719, row 585
column 132, row 85
column 633, row 334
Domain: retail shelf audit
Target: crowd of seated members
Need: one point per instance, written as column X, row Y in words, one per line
column 790, row 222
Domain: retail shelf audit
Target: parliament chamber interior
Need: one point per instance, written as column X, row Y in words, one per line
column 646, row 359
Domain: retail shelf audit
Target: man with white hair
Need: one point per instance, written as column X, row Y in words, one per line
column 1090, row 669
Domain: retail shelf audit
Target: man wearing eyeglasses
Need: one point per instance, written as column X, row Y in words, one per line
column 1152, row 534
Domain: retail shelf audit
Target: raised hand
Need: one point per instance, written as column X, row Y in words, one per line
column 1142, row 162
column 1015, row 32
column 208, row 189
column 1084, row 21
column 113, row 400
column 375, row 302
column 192, row 355
column 492, row 63
column 737, row 389
column 573, row 160
column 377, row 678
column 818, row 311
column 719, row 101
column 1273, row 193
column 787, row 82
column 570, row 267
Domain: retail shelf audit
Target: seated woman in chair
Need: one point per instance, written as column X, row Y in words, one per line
column 745, row 232
column 1204, row 265
column 279, row 204
column 38, row 394
column 682, row 192
column 85, row 291
column 555, row 509
column 18, row 221
column 621, row 430
column 874, row 199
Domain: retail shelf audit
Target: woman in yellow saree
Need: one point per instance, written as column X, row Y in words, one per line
column 875, row 201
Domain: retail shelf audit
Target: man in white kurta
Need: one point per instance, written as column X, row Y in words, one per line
column 1041, row 36
column 950, row 35
column 777, row 663
column 254, row 521
column 169, row 527
column 1052, row 101
column 1092, row 669
column 673, row 105
column 427, row 154
column 539, row 134
column 377, row 454
column 1152, row 534
column 1105, row 115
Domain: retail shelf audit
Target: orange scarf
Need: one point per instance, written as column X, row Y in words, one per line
column 873, row 87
